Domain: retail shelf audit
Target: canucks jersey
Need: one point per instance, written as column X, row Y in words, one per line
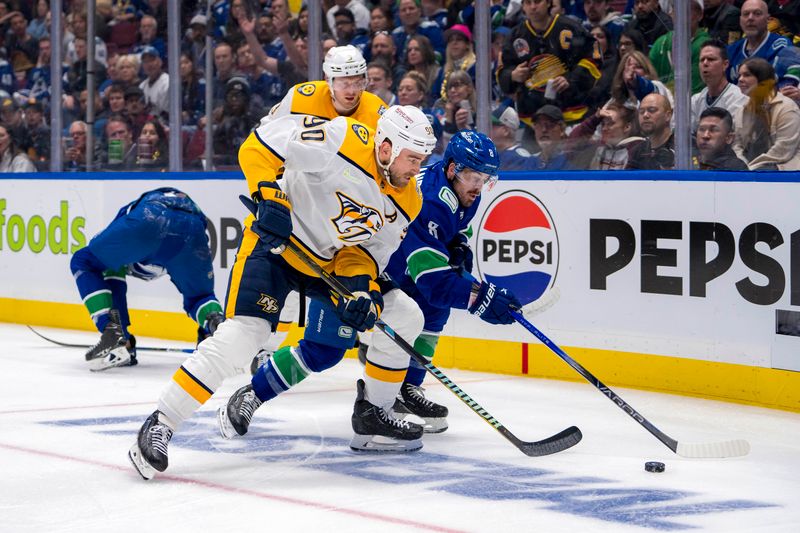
column 775, row 49
column 344, row 212
column 422, row 260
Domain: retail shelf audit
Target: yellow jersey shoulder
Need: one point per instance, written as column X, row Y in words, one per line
column 409, row 198
column 313, row 98
column 369, row 109
column 358, row 146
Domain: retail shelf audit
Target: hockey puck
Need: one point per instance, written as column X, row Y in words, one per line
column 654, row 466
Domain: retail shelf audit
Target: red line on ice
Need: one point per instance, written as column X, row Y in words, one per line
column 237, row 490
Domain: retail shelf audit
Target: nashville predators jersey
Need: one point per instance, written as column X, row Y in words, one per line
column 344, row 213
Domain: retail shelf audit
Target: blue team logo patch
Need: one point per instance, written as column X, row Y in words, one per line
column 361, row 132
column 307, row 89
column 517, row 245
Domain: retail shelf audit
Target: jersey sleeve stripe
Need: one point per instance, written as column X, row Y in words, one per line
column 359, row 167
column 398, row 207
column 425, row 261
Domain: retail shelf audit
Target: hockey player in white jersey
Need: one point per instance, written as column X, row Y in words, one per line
column 341, row 93
column 339, row 190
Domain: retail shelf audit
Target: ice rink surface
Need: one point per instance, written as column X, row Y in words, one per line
column 65, row 432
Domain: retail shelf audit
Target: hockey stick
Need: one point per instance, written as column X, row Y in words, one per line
column 557, row 443
column 145, row 348
column 730, row 448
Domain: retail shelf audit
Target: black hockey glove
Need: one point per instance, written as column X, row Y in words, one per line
column 460, row 254
column 273, row 212
column 494, row 304
column 364, row 308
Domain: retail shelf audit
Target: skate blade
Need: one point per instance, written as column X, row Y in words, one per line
column 143, row 467
column 116, row 357
column 379, row 444
column 226, row 429
column 434, row 425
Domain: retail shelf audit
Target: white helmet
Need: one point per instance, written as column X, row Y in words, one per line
column 341, row 61
column 404, row 126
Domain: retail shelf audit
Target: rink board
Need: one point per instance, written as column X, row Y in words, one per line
column 689, row 286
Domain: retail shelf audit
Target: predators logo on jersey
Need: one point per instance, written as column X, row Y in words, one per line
column 307, row 89
column 361, row 132
column 356, row 222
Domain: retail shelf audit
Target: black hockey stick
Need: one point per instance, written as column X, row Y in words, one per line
column 144, row 348
column 730, row 448
column 557, row 443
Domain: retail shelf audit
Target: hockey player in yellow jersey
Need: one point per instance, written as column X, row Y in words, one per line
column 345, row 197
column 341, row 93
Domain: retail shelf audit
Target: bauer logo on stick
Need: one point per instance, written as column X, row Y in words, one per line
column 517, row 245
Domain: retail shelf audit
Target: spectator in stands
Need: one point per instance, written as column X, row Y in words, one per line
column 629, row 41
column 550, row 133
column 152, row 148
column 231, row 31
column 361, row 15
column 618, row 137
column 99, row 116
column 19, row 40
column 38, row 132
column 420, row 57
column 380, row 19
column 651, row 20
column 601, row 92
column 382, row 49
column 156, row 83
column 721, row 19
column 600, row 15
column 194, row 43
column 536, row 56
column 39, row 26
column 661, row 51
column 233, row 121
column 412, row 91
column 12, row 159
column 121, row 150
column 379, row 82
column 787, row 14
column 112, row 73
column 75, row 147
column 128, row 70
column 78, row 73
column 299, row 27
column 767, row 127
column 635, row 79
column 657, row 152
column 718, row 91
column 115, row 97
column 148, row 37
column 193, row 89
column 459, row 55
column 225, row 63
column 347, row 32
column 11, row 117
column 457, row 111
column 434, row 11
column 39, row 75
column 759, row 42
column 79, row 31
column 714, row 141
column 137, row 110
column 410, row 14
column 505, row 125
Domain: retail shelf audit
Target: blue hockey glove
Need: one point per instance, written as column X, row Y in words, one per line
column 494, row 304
column 361, row 311
column 273, row 212
column 460, row 253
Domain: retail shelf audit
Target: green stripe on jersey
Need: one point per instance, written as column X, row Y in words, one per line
column 211, row 306
column 288, row 365
column 98, row 302
column 425, row 261
column 426, row 345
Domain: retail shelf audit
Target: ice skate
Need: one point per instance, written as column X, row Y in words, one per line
column 412, row 400
column 110, row 350
column 234, row 417
column 377, row 430
column 148, row 454
column 259, row 360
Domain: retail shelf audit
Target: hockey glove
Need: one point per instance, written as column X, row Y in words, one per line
column 460, row 254
column 494, row 304
column 363, row 309
column 273, row 212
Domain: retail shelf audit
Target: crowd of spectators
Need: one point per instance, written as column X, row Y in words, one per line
column 576, row 84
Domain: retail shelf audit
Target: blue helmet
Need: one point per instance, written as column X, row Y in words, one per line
column 474, row 150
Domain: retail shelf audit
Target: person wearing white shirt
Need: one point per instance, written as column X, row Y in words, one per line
column 156, row 85
column 718, row 92
column 360, row 12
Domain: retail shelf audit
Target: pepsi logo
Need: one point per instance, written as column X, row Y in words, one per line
column 517, row 245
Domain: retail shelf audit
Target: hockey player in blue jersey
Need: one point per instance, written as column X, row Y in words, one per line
column 434, row 261
column 161, row 232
